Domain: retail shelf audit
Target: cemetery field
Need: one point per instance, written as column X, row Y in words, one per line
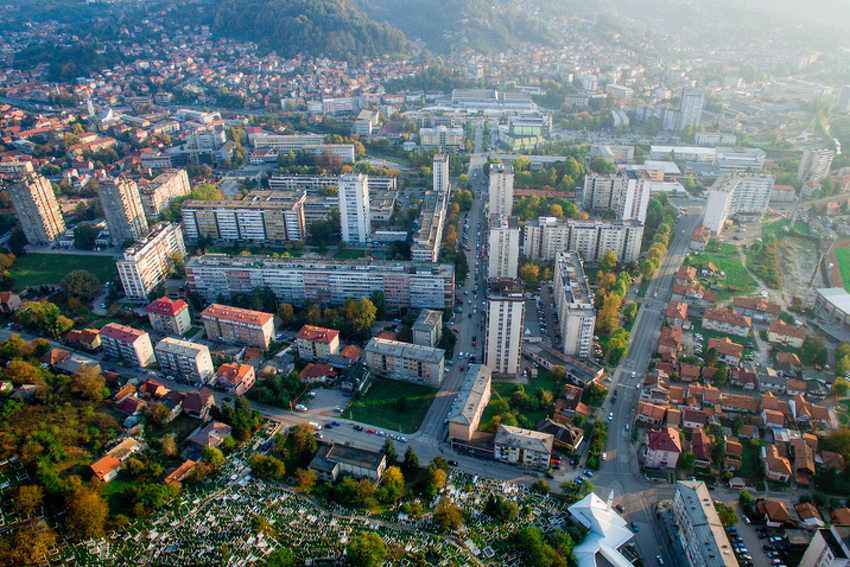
column 393, row 404
column 38, row 269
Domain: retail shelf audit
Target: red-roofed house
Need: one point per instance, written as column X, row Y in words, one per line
column 126, row 343
column 169, row 316
column 670, row 341
column 663, row 448
column 777, row 467
column 152, row 389
column 728, row 352
column 727, row 321
column 701, row 448
column 88, row 339
column 106, row 468
column 775, row 513
column 677, row 313
column 780, row 333
column 757, row 308
column 699, row 238
column 317, row 343
column 318, row 372
column 197, row 404
column 176, row 476
column 238, row 326
column 235, row 378
column 9, row 301
column 686, row 275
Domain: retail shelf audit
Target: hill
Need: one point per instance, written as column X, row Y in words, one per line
column 333, row 28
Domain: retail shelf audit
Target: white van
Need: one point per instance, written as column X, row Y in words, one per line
column 315, row 425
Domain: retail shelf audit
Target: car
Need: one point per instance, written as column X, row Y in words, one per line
column 634, row 526
column 455, row 330
column 402, row 438
column 776, row 539
column 588, row 473
column 604, row 456
column 228, row 399
column 747, row 520
column 655, row 294
column 453, row 463
column 336, row 423
column 610, row 416
column 380, row 433
column 659, row 559
column 358, row 428
column 318, row 435
column 579, row 481
column 328, row 426
column 627, row 427
column 776, row 560
column 772, row 554
column 370, row 430
column 619, row 508
column 767, row 547
column 732, row 529
column 633, row 373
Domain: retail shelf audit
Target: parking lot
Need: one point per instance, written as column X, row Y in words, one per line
column 325, row 401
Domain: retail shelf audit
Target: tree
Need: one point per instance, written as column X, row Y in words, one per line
column 88, row 383
column 608, row 261
column 280, row 557
column 530, row 274
column 630, row 312
column 814, row 350
column 411, row 459
column 27, row 545
column 80, row 284
column 392, row 483
column 169, row 446
column 20, row 372
column 745, row 498
column 305, row 480
column 727, row 514
column 286, row 313
column 27, row 498
column 686, row 461
column 367, row 550
column 359, row 316
column 84, row 237
column 86, row 513
column 448, row 515
column 389, row 450
column 213, row 457
column 541, row 486
column 157, row 413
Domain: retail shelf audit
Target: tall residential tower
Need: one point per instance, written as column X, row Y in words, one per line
column 354, row 215
column 505, row 323
column 501, row 189
column 37, row 209
column 122, row 207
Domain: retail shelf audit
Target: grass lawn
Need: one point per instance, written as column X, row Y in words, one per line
column 505, row 390
column 349, row 254
column 778, row 226
column 842, row 254
column 392, row 404
column 39, row 269
column 112, row 492
column 736, row 274
column 751, row 462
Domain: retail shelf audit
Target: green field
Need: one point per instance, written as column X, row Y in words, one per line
column 40, row 269
column 776, row 227
column 391, row 404
column 842, row 254
column 736, row 274
column 349, row 254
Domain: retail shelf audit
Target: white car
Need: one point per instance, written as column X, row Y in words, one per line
column 610, row 416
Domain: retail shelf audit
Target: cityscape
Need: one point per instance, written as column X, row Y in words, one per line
column 289, row 283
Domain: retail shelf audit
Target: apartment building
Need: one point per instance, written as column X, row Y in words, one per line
column 440, row 171
column 296, row 280
column 354, row 213
column 663, row 448
column 37, row 209
column 745, row 195
column 691, row 104
column 525, row 447
column 634, row 196
column 440, row 137
column 574, row 304
column 405, row 361
column 602, row 191
column 169, row 315
column 122, row 207
column 547, row 236
column 317, row 343
column 162, row 190
column 425, row 246
column 473, row 397
column 699, row 528
column 504, row 247
column 428, row 328
column 311, row 184
column 313, row 143
column 121, row 342
column 501, row 189
column 238, row 326
column 184, row 360
column 504, row 327
column 261, row 217
column 727, row 321
column 147, row 263
column 815, row 164
column 830, row 547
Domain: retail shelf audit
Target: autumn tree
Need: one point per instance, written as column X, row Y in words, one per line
column 27, row 498
column 367, row 550
column 157, row 413
column 82, row 285
column 169, row 446
column 86, row 512
column 448, row 514
column 359, row 316
column 392, row 484
column 305, row 480
column 530, row 274
column 27, row 545
column 608, row 261
column 20, row 372
column 88, row 383
column 286, row 313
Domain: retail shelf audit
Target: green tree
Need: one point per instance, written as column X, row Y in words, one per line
column 280, row 557
column 389, row 450
column 212, row 457
column 84, row 237
column 367, row 550
column 686, row 461
column 20, row 372
column 392, row 484
column 448, row 515
column 359, row 317
column 608, row 261
column 727, row 514
column 88, row 383
column 305, row 480
column 80, row 284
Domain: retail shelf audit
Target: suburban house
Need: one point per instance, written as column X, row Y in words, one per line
column 677, row 313
column 318, row 373
column 197, row 404
column 727, row 321
column 694, row 295
column 235, row 378
column 777, row 467
column 757, row 308
column 9, row 301
column 650, row 414
column 686, row 275
column 699, row 238
column 780, row 333
column 87, row 339
column 775, row 513
column 728, row 352
column 663, row 448
column 211, row 435
column 701, row 448
column 670, row 342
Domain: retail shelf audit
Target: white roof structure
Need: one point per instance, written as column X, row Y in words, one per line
column 608, row 532
column 837, row 297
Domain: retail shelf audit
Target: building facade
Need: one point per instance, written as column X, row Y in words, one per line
column 162, row 190
column 501, row 189
column 126, row 343
column 547, row 236
column 317, row 343
column 574, row 305
column 354, row 213
column 699, row 528
column 691, row 104
column 122, row 207
column 37, row 209
column 169, row 315
column 602, row 191
column 296, row 280
column 147, row 263
column 263, row 217
column 440, row 170
column 428, row 328
column 525, row 447
column 474, row 395
column 425, row 246
column 405, row 361
column 745, row 195
column 815, row 164
column 184, row 360
column 504, row 327
column 238, row 326
column 634, row 196
column 504, row 247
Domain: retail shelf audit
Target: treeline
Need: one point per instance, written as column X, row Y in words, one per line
column 332, row 28
column 612, row 288
column 660, row 224
column 67, row 63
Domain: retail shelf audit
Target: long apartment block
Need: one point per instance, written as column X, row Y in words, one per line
column 547, row 236
column 267, row 217
column 296, row 280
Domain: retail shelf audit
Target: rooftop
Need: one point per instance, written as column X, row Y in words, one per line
column 236, row 314
column 405, row 350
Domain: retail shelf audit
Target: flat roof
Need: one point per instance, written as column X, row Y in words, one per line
column 472, row 391
column 837, row 297
column 405, row 350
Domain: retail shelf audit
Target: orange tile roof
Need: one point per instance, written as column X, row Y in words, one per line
column 236, row 314
column 317, row 334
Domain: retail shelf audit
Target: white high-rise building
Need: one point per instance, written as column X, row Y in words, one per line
column 815, row 164
column 354, row 215
column 602, row 192
column 36, row 208
column 504, row 247
column 148, row 262
column 122, row 207
column 440, row 169
column 844, row 99
column 574, row 304
column 501, row 189
column 737, row 194
column 634, row 196
column 505, row 323
column 546, row 236
column 690, row 108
